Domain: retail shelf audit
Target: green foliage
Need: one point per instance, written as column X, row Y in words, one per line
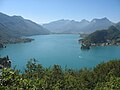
column 105, row 76
column 111, row 35
column 112, row 84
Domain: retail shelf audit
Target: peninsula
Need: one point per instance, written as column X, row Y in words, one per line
column 108, row 37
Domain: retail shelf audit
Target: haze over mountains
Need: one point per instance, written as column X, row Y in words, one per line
column 72, row 26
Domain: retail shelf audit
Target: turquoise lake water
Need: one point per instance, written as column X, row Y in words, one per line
column 58, row 49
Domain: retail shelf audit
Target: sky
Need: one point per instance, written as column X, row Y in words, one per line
column 44, row 11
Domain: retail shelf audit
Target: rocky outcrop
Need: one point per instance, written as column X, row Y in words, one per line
column 1, row 45
column 85, row 47
column 5, row 62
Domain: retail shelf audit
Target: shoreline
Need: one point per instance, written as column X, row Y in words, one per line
column 88, row 45
column 85, row 46
column 105, row 44
column 14, row 41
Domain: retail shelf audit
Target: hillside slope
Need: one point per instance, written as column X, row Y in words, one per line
column 110, row 36
column 12, row 27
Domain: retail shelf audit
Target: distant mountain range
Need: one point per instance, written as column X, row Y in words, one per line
column 66, row 26
column 16, row 26
column 84, row 26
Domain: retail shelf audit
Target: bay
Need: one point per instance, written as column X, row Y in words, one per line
column 61, row 49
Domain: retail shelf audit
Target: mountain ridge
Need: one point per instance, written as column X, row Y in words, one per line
column 83, row 26
column 14, row 27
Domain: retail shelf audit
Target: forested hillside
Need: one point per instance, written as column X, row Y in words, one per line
column 110, row 36
column 104, row 76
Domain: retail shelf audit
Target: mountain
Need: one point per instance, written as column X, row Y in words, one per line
column 84, row 26
column 17, row 26
column 110, row 36
column 118, row 25
column 20, row 26
column 98, row 24
column 66, row 26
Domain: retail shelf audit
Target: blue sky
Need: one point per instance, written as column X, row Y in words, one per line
column 43, row 11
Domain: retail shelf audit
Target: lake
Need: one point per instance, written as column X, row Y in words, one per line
column 62, row 49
